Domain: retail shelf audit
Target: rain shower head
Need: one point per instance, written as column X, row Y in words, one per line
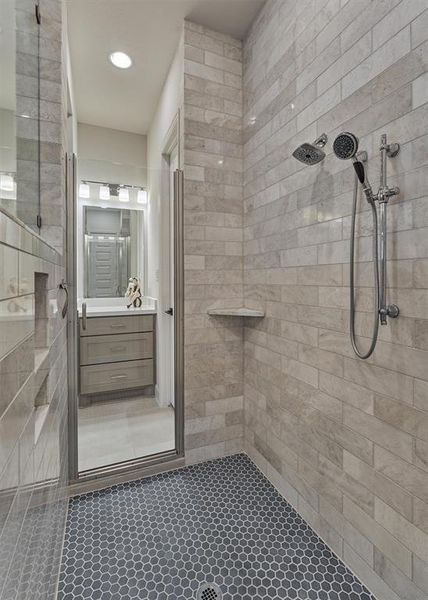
column 345, row 146
column 311, row 154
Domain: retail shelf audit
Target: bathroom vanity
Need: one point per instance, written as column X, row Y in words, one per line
column 117, row 349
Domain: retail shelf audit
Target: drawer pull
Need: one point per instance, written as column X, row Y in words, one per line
column 118, row 376
column 117, row 326
column 117, row 348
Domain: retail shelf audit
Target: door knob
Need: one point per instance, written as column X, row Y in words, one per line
column 169, row 311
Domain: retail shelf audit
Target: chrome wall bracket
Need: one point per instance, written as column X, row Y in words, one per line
column 382, row 197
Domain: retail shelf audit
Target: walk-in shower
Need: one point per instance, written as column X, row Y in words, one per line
column 345, row 147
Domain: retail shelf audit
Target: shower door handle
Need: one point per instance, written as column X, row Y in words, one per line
column 83, row 315
column 63, row 286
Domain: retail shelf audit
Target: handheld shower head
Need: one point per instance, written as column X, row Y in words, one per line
column 345, row 146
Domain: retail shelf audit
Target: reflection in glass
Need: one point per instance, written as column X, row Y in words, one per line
column 7, row 106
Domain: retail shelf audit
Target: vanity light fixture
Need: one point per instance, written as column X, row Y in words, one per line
column 7, row 183
column 121, row 60
column 142, row 197
column 104, row 192
column 84, row 190
column 123, row 194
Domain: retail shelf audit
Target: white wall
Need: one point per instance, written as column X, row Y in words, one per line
column 111, row 155
column 171, row 100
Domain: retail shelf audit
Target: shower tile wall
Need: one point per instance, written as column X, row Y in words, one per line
column 346, row 441
column 213, row 242
column 33, row 391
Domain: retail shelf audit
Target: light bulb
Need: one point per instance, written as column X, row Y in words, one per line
column 104, row 192
column 84, row 191
column 7, row 183
column 123, row 195
column 142, row 197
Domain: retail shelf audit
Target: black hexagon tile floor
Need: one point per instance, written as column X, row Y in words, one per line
column 219, row 522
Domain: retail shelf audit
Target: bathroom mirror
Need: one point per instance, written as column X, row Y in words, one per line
column 111, row 239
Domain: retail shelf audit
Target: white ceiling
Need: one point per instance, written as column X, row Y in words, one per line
column 149, row 31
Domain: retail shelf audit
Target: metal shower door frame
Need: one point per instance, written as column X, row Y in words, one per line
column 131, row 469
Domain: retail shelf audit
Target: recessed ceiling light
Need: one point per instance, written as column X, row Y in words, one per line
column 120, row 60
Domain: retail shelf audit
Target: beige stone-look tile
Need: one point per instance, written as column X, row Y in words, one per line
column 365, row 572
column 316, row 51
column 351, row 487
column 358, row 542
column 319, row 107
column 402, row 416
column 381, row 486
column 350, row 393
column 420, row 273
column 419, row 90
column 377, row 62
column 412, row 479
column 421, row 454
column 388, row 437
column 395, row 579
column 345, row 63
column 224, row 63
column 420, row 514
column 419, row 29
column 420, row 573
column 321, row 359
column 301, row 371
column 391, row 547
column 412, row 537
column 299, row 332
column 382, row 381
column 396, row 19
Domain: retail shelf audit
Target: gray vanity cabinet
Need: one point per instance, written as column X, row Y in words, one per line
column 116, row 353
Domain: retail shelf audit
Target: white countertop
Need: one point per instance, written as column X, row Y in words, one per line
column 104, row 308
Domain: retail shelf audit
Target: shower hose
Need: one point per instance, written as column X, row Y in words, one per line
column 375, row 332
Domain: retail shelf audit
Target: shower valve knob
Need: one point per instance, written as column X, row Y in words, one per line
column 393, row 311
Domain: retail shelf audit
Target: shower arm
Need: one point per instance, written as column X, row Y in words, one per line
column 383, row 196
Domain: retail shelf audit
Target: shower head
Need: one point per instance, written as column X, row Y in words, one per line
column 345, row 146
column 311, row 154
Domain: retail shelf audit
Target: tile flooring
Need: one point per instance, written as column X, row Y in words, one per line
column 220, row 524
column 114, row 431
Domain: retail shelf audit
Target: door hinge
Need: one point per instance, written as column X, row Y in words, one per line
column 38, row 14
column 39, row 221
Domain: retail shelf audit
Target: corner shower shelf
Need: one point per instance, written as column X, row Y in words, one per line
column 235, row 312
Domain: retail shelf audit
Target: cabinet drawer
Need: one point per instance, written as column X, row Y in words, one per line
column 115, row 348
column 116, row 376
column 113, row 325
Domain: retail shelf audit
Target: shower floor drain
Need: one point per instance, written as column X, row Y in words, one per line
column 209, row 591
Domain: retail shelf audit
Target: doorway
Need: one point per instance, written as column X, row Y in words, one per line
column 126, row 387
